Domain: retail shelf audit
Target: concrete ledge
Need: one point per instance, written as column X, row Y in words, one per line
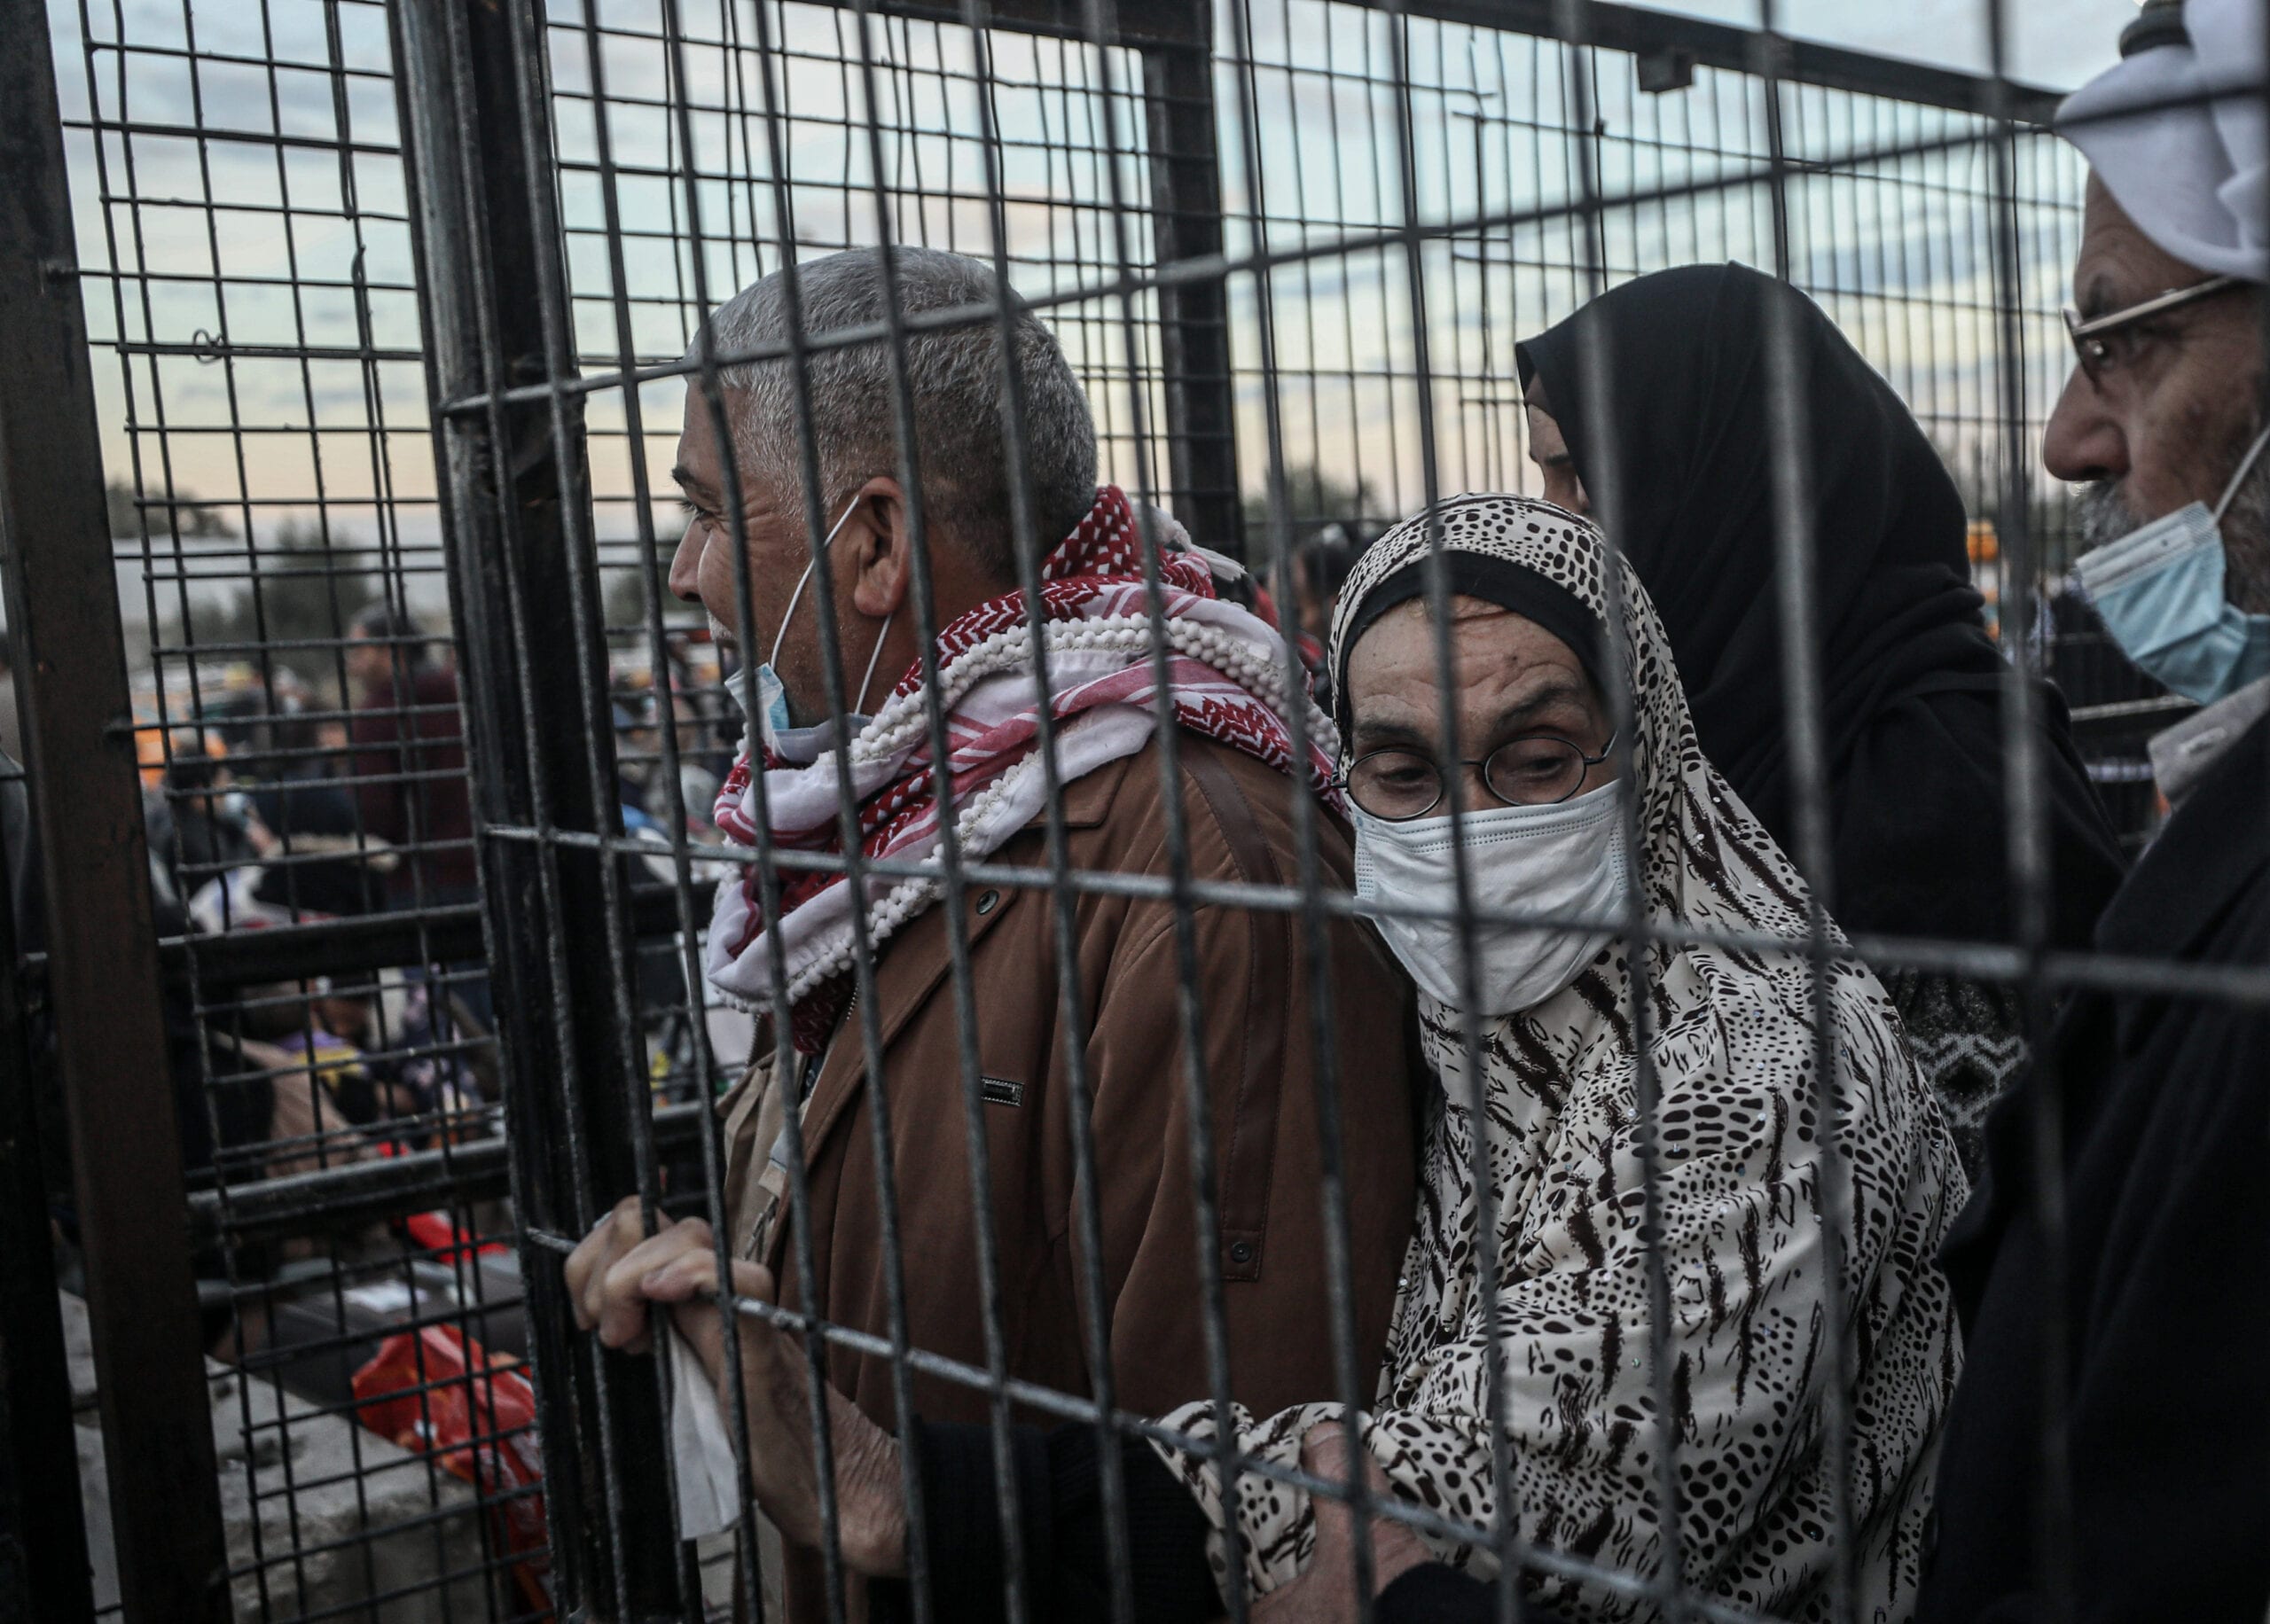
column 324, row 1517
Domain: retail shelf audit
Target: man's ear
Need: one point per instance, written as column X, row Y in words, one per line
column 883, row 563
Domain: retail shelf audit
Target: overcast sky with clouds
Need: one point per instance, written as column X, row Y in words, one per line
column 2055, row 42
column 1909, row 276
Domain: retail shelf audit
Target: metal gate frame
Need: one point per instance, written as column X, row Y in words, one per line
column 474, row 90
column 102, row 958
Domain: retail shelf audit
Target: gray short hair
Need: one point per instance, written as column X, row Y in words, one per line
column 954, row 374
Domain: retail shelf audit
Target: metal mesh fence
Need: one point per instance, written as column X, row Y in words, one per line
column 250, row 286
column 397, row 311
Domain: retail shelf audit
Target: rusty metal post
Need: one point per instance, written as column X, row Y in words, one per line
column 474, row 91
column 70, row 660
column 43, row 1531
column 1175, row 38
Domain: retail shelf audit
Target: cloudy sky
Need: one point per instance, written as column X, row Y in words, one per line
column 1896, row 256
column 2053, row 42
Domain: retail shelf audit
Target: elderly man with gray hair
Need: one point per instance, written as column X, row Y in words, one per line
column 2107, row 1453
column 1088, row 1045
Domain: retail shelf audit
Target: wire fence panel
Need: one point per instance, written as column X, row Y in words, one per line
column 1888, row 208
column 1391, row 240
column 412, row 322
column 245, row 257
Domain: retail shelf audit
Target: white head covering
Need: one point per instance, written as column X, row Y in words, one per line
column 2194, row 177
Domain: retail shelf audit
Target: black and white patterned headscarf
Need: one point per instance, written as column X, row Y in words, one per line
column 1730, row 1034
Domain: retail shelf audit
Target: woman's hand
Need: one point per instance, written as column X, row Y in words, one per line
column 619, row 1270
column 1325, row 1591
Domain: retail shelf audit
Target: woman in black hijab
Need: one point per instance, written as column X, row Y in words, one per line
column 1910, row 681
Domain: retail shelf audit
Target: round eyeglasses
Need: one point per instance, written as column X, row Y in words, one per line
column 1536, row 769
column 2108, row 342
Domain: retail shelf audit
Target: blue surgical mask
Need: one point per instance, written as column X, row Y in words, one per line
column 2159, row 590
column 800, row 746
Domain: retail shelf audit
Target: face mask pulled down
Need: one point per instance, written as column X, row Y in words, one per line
column 2160, row 592
column 1565, row 859
column 802, row 746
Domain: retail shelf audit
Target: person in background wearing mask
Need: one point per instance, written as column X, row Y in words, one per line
column 2108, row 1456
column 1234, row 788
column 1911, row 684
column 201, row 827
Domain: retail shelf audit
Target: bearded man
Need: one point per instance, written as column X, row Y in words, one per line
column 1099, row 1029
column 2107, row 1453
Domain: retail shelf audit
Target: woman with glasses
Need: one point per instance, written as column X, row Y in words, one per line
column 1609, row 1061
column 1914, row 746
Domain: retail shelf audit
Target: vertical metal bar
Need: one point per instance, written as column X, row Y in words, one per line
column 745, row 1546
column 102, row 964
column 601, row 1107
column 950, row 900
column 1015, row 1558
column 1186, row 171
column 515, row 580
column 1277, row 558
column 709, row 380
column 1575, row 17
column 1789, row 422
column 1505, row 1541
column 1087, row 1218
column 1100, row 17
column 43, row 1530
column 2028, row 848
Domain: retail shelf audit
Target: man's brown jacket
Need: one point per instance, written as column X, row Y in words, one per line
column 1252, row 1004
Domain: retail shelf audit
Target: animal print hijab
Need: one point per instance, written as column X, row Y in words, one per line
column 1740, row 1166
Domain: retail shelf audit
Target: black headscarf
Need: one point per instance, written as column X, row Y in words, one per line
column 1910, row 681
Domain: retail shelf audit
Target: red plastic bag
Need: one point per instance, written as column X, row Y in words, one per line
column 437, row 1392
column 438, row 1233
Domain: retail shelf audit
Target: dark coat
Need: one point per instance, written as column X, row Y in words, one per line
column 1911, row 684
column 409, row 763
column 2164, row 1350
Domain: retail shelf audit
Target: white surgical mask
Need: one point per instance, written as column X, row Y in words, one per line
column 1566, row 859
column 2159, row 590
column 800, row 746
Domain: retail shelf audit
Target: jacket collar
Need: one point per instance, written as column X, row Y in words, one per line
column 2184, row 754
column 2218, row 840
column 909, row 970
column 917, row 963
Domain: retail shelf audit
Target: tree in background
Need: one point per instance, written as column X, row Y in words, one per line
column 1312, row 498
column 195, row 517
column 1329, row 521
column 307, row 592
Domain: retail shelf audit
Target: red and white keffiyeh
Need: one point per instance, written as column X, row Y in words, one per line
column 1225, row 673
